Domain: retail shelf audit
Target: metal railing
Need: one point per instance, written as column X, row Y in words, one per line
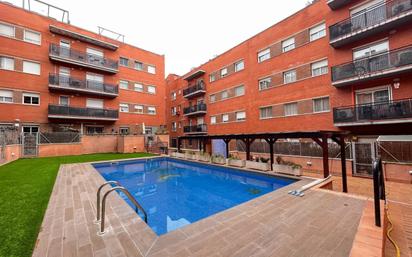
column 378, row 189
column 76, row 83
column 369, row 18
column 200, row 86
column 101, row 211
column 68, row 111
column 83, row 57
column 195, row 108
column 201, row 128
column 397, row 109
column 392, row 59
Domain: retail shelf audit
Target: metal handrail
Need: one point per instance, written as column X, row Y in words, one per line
column 378, row 188
column 131, row 198
column 111, row 182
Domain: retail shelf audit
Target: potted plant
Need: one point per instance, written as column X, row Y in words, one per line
column 190, row 155
column 204, row 157
column 235, row 161
column 218, row 159
column 287, row 167
column 258, row 163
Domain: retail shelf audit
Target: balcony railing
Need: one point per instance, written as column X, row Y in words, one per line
column 201, row 128
column 82, row 58
column 197, row 89
column 372, row 18
column 195, row 109
column 88, row 86
column 378, row 65
column 373, row 113
column 67, row 112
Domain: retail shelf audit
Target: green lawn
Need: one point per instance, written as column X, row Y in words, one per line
column 25, row 188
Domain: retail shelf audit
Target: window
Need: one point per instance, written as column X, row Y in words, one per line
column 173, row 110
column 94, row 52
column 212, row 98
column 240, row 116
column 124, row 131
column 240, row 90
column 6, row 63
column 374, row 95
column 31, row 67
column 95, row 78
column 30, row 129
column 94, row 130
column 225, row 117
column 319, row 68
column 151, row 69
column 64, row 72
column 64, row 100
column 173, row 96
column 174, row 127
column 212, row 119
column 151, row 110
column 317, row 32
column 32, row 37
column 151, row 89
column 380, row 47
column 123, row 84
column 265, row 112
column 212, row 77
column 30, row 98
column 138, row 87
column 6, row 96
column 265, row 83
column 138, row 65
column 264, row 55
column 289, row 76
column 138, row 108
column 239, row 66
column 124, row 61
column 288, row 44
column 224, row 94
column 94, row 103
column 124, row 107
column 291, row 109
column 6, row 30
column 223, row 72
column 321, row 104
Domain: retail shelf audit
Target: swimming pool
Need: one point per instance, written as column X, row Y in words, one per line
column 176, row 193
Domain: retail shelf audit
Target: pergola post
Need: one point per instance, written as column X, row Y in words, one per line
column 323, row 142
column 271, row 142
column 341, row 142
column 178, row 145
column 248, row 142
column 200, row 145
column 227, row 141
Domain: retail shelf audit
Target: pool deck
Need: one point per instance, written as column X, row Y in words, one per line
column 321, row 223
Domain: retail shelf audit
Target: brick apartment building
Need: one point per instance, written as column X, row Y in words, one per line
column 58, row 77
column 334, row 65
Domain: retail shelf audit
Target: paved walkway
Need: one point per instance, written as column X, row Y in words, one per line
column 276, row 224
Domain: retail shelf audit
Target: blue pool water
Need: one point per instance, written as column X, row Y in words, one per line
column 176, row 193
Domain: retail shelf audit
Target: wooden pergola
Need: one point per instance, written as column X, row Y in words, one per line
column 320, row 137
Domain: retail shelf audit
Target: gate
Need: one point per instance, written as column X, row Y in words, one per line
column 29, row 143
column 363, row 155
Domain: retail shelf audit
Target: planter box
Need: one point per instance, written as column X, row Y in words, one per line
column 180, row 155
column 258, row 165
column 286, row 169
column 204, row 158
column 236, row 163
column 190, row 156
column 219, row 161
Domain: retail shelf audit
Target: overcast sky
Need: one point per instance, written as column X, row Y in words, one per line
column 188, row 32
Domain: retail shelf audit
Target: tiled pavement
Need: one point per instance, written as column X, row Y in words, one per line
column 276, row 224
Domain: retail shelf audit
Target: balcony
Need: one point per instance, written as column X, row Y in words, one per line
column 399, row 111
column 78, row 113
column 72, row 84
column 196, row 129
column 83, row 59
column 375, row 66
column 199, row 109
column 336, row 4
column 384, row 17
column 195, row 90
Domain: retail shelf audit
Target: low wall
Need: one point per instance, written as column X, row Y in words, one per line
column 130, row 144
column 398, row 172
column 11, row 153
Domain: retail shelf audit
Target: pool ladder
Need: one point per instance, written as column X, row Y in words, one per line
column 100, row 213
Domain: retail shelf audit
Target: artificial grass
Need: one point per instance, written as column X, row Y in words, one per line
column 25, row 188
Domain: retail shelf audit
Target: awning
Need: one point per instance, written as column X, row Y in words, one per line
column 395, row 138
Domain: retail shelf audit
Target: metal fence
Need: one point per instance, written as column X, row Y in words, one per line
column 395, row 151
column 59, row 137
